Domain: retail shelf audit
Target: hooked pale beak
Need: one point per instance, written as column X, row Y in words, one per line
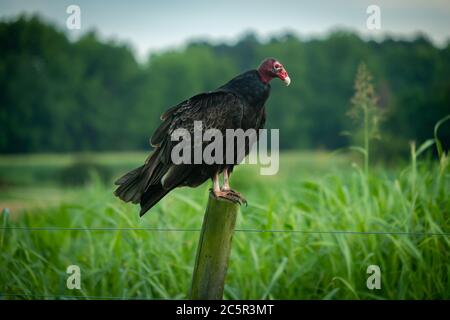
column 283, row 75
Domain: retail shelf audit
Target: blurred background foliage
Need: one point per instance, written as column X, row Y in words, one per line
column 71, row 111
column 59, row 95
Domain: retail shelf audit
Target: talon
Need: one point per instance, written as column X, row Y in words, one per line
column 231, row 195
column 225, row 192
column 241, row 198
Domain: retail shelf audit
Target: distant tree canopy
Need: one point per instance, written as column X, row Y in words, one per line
column 60, row 95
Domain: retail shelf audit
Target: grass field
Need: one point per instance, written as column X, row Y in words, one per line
column 319, row 194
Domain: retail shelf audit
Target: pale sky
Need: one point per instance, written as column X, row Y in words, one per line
column 155, row 25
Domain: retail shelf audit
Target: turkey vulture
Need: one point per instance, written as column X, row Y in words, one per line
column 238, row 104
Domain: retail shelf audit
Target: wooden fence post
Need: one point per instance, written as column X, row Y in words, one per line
column 214, row 249
column 5, row 220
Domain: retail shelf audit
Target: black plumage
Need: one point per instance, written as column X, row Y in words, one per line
column 239, row 104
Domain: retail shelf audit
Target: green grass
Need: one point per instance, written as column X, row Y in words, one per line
column 313, row 192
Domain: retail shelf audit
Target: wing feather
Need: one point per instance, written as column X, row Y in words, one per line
column 219, row 109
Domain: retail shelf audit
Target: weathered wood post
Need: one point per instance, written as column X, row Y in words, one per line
column 5, row 220
column 214, row 249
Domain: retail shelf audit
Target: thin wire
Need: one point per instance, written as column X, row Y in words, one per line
column 401, row 233
column 99, row 229
column 405, row 233
column 70, row 297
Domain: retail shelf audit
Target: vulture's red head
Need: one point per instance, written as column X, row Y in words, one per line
column 271, row 68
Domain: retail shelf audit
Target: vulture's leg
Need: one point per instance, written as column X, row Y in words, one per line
column 226, row 180
column 223, row 193
column 226, row 191
column 216, row 185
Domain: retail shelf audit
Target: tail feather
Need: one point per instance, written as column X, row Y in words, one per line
column 151, row 197
column 130, row 186
column 143, row 185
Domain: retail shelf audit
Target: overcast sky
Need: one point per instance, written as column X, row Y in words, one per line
column 154, row 25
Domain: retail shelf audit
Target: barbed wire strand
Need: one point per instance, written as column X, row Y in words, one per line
column 48, row 228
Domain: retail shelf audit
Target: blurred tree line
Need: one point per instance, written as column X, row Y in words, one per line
column 61, row 95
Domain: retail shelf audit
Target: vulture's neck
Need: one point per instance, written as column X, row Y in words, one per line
column 264, row 76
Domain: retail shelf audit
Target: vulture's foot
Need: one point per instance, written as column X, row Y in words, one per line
column 231, row 195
